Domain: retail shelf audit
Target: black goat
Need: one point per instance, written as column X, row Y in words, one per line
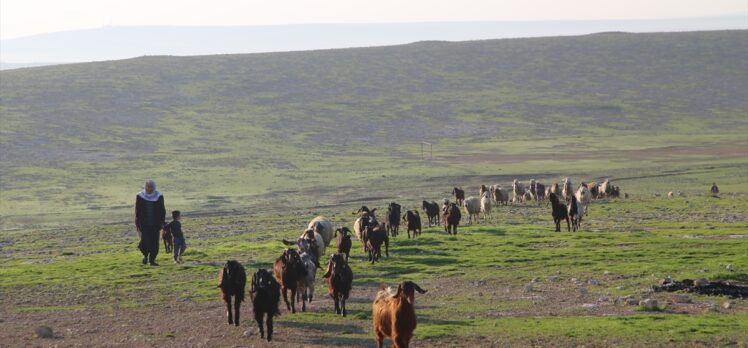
column 343, row 241
column 559, row 212
column 265, row 295
column 232, row 280
column 339, row 279
column 432, row 211
column 393, row 219
column 414, row 222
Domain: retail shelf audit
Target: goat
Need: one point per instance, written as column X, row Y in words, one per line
column 482, row 189
column 714, row 190
column 392, row 218
column 306, row 283
column 594, row 190
column 459, row 194
column 472, row 208
column 584, row 197
column 288, row 271
column 575, row 211
column 167, row 237
column 393, row 314
column 323, row 226
column 363, row 209
column 339, row 281
column 265, row 295
column 343, row 241
column 367, row 218
column 566, row 191
column 232, row 280
column 432, row 211
column 538, row 191
column 559, row 212
column 500, row 195
column 451, row 218
column 486, row 205
column 413, row 220
column 310, row 242
column 518, row 191
column 605, row 188
column 373, row 237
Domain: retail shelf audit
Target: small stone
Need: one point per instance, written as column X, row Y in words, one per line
column 582, row 291
column 607, row 273
column 247, row 333
column 682, row 299
column 589, row 305
column 603, row 299
column 44, row 332
column 529, row 287
column 574, row 280
column 728, row 267
column 593, row 282
column 632, row 301
column 649, row 304
column 553, row 279
column 701, row 282
column 620, row 287
column 727, row 305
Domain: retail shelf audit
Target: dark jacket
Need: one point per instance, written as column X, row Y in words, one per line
column 149, row 213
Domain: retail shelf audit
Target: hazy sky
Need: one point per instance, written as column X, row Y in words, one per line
column 20, row 18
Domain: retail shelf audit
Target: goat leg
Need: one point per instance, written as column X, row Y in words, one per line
column 285, row 298
column 270, row 326
column 237, row 305
column 258, row 319
column 228, row 311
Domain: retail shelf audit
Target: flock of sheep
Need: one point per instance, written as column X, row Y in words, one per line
column 393, row 313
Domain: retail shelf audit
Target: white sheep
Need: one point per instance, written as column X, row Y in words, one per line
column 584, row 197
column 472, row 208
column 486, row 205
column 323, row 226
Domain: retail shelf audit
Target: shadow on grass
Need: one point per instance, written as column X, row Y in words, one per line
column 328, row 327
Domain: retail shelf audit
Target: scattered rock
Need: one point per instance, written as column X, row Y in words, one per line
column 632, row 301
column 603, row 299
column 529, row 287
column 682, row 299
column 44, row 332
column 727, row 305
column 607, row 273
column 593, row 282
column 589, row 305
column 701, row 282
column 649, row 304
column 620, row 287
column 553, row 279
column 582, row 291
column 247, row 333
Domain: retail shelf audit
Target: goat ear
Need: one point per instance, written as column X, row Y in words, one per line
column 418, row 288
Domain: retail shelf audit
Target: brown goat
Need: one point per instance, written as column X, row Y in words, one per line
column 459, row 194
column 343, row 241
column 393, row 314
column 339, row 279
column 451, row 218
column 413, row 219
column 232, row 280
column 288, row 271
column 167, row 237
column 373, row 237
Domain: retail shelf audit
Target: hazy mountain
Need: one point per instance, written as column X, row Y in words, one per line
column 109, row 43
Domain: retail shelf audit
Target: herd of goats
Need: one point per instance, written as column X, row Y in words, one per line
column 393, row 313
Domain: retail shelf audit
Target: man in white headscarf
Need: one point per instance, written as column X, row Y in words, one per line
column 150, row 215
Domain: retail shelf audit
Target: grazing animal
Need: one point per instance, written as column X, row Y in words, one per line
column 323, row 226
column 605, row 188
column 232, row 280
column 615, row 191
column 486, row 205
column 393, row 314
column 594, row 189
column 459, row 194
column 566, row 191
column 518, row 191
column 432, row 211
column 472, row 208
column 288, row 271
column 500, row 196
column 306, row 283
column 559, row 212
column 343, row 241
column 367, row 218
column 714, row 190
column 393, row 219
column 339, row 281
column 363, row 209
column 584, row 197
column 309, row 242
column 167, row 237
column 483, row 188
column 555, row 189
column 670, row 194
column 413, row 220
column 265, row 295
column 538, row 191
column 451, row 218
column 575, row 211
column 374, row 235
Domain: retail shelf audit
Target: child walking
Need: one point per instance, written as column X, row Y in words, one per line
column 176, row 232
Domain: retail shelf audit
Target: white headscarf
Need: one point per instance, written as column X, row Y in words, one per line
column 153, row 196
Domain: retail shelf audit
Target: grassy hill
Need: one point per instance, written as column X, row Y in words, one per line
column 222, row 132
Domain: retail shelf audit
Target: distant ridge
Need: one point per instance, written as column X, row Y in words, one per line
column 112, row 43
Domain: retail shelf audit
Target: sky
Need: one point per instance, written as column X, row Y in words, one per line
column 20, row 18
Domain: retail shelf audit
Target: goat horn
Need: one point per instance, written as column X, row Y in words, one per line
column 418, row 288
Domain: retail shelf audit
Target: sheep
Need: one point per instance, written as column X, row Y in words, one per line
column 566, row 191
column 615, row 191
column 559, row 212
column 232, row 280
column 574, row 212
column 500, row 196
column 393, row 314
column 594, row 190
column 714, row 190
column 584, row 197
column 518, row 191
column 310, row 242
column 554, row 189
column 373, row 237
column 265, row 295
column 392, row 219
column 681, row 194
column 451, row 218
column 288, row 270
column 483, row 188
column 413, row 220
column 432, row 211
column 670, row 194
column 486, row 205
column 472, row 208
column 528, row 197
column 306, row 283
column 323, row 226
column 459, row 194
column 605, row 188
column 339, row 281
column 343, row 241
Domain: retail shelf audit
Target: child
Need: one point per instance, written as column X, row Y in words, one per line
column 176, row 231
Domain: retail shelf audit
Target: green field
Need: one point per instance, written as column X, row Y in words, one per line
column 251, row 147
